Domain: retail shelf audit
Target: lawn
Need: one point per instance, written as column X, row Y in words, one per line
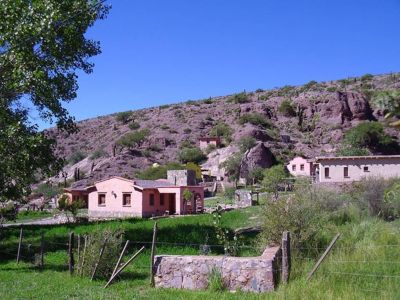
column 27, row 216
column 364, row 264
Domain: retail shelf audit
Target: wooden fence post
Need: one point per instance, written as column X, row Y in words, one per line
column 323, row 256
column 78, row 254
column 153, row 250
column 286, row 258
column 120, row 257
column 98, row 261
column 85, row 242
column 71, row 261
column 19, row 245
column 42, row 251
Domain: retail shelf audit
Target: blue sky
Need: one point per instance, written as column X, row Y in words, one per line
column 158, row 52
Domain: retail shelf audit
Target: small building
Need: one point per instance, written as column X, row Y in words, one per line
column 300, row 166
column 354, row 168
column 207, row 141
column 119, row 197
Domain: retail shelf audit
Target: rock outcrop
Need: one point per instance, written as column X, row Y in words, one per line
column 257, row 157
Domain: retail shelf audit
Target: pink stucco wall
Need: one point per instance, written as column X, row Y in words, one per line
column 296, row 163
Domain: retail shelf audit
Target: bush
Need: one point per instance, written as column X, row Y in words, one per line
column 98, row 154
column 230, row 192
column 370, row 135
column 158, row 172
column 134, row 126
column 187, row 130
column 133, row 139
column 367, row 77
column 123, row 117
column 186, row 144
column 331, row 89
column 239, row 98
column 245, row 143
column 76, row 157
column 255, row 119
column 90, row 256
column 272, row 178
column 210, row 148
column 259, row 90
column 192, row 155
column 347, row 150
column 8, row 212
column 215, row 281
column 310, row 85
column 208, row 101
column 222, row 130
column 286, row 108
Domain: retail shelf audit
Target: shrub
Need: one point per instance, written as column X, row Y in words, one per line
column 154, row 148
column 76, row 157
column 192, row 155
column 370, row 135
column 8, row 212
column 331, row 89
column 367, row 77
column 259, row 90
column 65, row 205
column 215, row 281
column 98, row 154
column 273, row 178
column 286, row 108
column 90, row 256
column 346, row 150
column 256, row 175
column 255, row 119
column 133, row 139
column 245, row 143
column 134, row 126
column 123, row 117
column 229, row 192
column 47, row 190
column 310, row 85
column 232, row 167
column 158, row 172
column 239, row 98
column 222, row 130
column 186, row 144
column 210, row 148
column 208, row 101
column 187, row 130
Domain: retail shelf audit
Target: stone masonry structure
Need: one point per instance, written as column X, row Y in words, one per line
column 182, row 177
column 253, row 274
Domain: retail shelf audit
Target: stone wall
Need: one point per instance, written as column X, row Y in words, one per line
column 255, row 274
column 182, row 177
column 99, row 215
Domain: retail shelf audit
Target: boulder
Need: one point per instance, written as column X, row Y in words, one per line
column 258, row 156
column 253, row 131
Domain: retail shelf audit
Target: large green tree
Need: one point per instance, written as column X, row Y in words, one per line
column 42, row 47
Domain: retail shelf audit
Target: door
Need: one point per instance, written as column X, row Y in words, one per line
column 172, row 204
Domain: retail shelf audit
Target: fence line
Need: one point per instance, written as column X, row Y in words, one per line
column 363, row 274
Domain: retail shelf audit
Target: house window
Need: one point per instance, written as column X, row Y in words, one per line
column 326, row 172
column 366, row 169
column 293, row 167
column 126, row 199
column 161, row 199
column 101, row 200
column 346, row 172
column 151, row 199
column 301, row 167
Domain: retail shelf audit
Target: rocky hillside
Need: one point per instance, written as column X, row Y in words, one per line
column 306, row 120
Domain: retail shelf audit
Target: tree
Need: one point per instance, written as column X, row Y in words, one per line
column 68, row 206
column 158, row 172
column 245, row 143
column 232, row 167
column 42, row 47
column 222, row 130
column 133, row 139
column 272, row 178
column 194, row 155
column 370, row 135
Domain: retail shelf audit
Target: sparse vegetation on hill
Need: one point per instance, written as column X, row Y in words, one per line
column 192, row 154
column 255, row 119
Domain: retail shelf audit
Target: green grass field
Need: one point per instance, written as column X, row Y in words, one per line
column 364, row 263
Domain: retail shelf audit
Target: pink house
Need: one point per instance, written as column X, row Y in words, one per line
column 118, row 197
column 300, row 166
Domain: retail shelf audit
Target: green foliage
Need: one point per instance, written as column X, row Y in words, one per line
column 273, row 177
column 259, row 91
column 76, row 157
column 229, row 192
column 193, row 154
column 90, row 256
column 245, row 143
column 232, row 166
column 134, row 125
column 48, row 190
column 187, row 195
column 286, row 108
column 347, row 150
column 215, row 281
column 196, row 168
column 123, row 117
column 133, row 139
column 228, row 239
column 255, row 119
column 222, row 130
column 158, row 172
column 388, row 101
column 331, row 89
column 369, row 135
column 186, row 144
column 256, row 175
column 210, row 148
column 367, row 77
column 8, row 212
column 208, row 101
column 98, row 154
column 239, row 98
column 310, row 85
column 43, row 47
column 65, row 205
